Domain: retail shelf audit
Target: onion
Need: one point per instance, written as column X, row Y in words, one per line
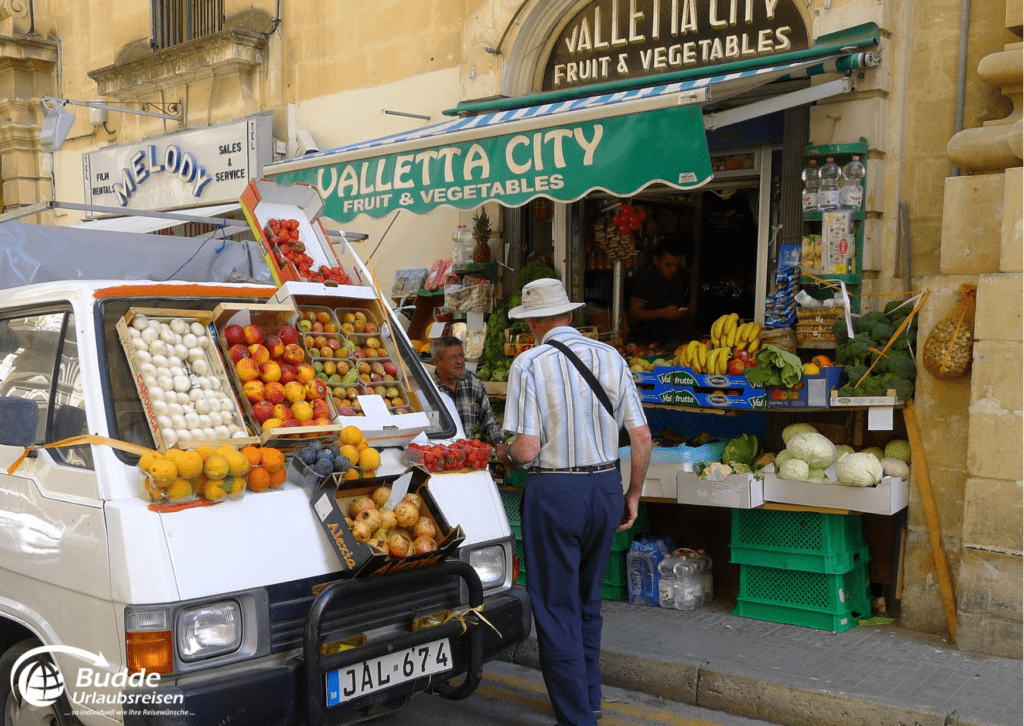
column 200, row 367
column 179, row 421
column 189, row 341
column 184, row 436
column 164, row 421
column 173, row 360
column 158, row 347
column 195, row 354
column 133, row 333
column 179, row 326
column 223, row 432
column 150, row 381
column 147, row 369
column 170, row 436
column 160, row 361
column 139, row 322
column 139, row 344
column 180, row 350
column 156, row 393
column 173, row 407
column 182, row 384
column 167, row 336
column 216, row 418
column 183, row 398
column 197, row 329
column 143, row 356
column 192, row 421
column 149, row 335
column 166, row 383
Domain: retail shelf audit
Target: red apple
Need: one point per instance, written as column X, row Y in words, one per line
column 237, row 352
column 274, row 392
column 287, row 372
column 315, row 388
column 263, row 411
column 270, row 371
column 259, row 353
column 247, row 369
column 234, row 335
column 253, row 334
column 253, row 390
column 288, row 335
column 275, row 345
column 293, row 354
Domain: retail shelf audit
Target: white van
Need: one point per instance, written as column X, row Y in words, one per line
column 243, row 603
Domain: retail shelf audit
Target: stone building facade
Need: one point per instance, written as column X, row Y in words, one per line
column 336, row 73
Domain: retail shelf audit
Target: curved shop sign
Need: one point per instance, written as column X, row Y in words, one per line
column 619, row 154
column 614, row 40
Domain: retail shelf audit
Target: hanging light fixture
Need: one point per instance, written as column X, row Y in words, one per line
column 58, row 121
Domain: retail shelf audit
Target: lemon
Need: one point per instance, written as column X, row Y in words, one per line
column 147, row 459
column 216, row 467
column 351, row 435
column 238, row 463
column 369, row 459
column 225, row 450
column 352, row 453
column 179, row 490
column 190, row 464
column 163, row 469
column 204, row 451
column 811, row 370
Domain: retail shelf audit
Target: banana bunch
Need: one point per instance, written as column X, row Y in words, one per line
column 727, row 332
column 704, row 358
column 718, row 361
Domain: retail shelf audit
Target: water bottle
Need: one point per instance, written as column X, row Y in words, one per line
column 811, row 178
column 642, row 562
column 707, row 580
column 667, row 581
column 462, row 246
column 852, row 193
column 828, row 189
column 689, row 591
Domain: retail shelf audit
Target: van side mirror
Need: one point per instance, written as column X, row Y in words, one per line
column 20, row 417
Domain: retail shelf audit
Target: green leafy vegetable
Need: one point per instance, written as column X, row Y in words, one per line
column 775, row 367
column 741, row 450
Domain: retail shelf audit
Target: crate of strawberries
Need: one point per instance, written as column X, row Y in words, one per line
column 457, row 456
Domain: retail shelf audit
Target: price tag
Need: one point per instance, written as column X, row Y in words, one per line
column 880, row 418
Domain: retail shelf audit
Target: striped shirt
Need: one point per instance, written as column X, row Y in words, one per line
column 549, row 398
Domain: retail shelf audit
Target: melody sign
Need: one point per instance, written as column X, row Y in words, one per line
column 561, row 162
column 610, row 40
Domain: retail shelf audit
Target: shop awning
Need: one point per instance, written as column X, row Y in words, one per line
column 147, row 223
column 618, row 142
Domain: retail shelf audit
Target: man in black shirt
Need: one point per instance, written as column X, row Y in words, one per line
column 662, row 305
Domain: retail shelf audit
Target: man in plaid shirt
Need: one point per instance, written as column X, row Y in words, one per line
column 467, row 392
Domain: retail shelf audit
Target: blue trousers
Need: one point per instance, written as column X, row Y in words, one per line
column 569, row 521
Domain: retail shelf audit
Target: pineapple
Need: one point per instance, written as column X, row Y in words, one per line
column 481, row 233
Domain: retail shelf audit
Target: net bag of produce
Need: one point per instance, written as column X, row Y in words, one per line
column 949, row 348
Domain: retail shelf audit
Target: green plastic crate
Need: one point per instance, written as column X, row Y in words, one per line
column 615, row 574
column 512, row 500
column 810, row 599
column 614, row 592
column 812, row 541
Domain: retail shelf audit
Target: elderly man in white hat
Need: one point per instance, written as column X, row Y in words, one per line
column 567, row 400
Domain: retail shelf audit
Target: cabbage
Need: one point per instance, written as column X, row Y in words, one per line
column 814, row 449
column 741, row 450
column 895, row 468
column 898, row 449
column 797, row 428
column 781, row 458
column 794, row 469
column 874, row 451
column 817, row 475
column 843, row 449
column 859, row 470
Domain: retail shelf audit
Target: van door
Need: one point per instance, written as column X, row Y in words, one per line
column 53, row 544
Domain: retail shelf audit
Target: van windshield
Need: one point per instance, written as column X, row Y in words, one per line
column 125, row 415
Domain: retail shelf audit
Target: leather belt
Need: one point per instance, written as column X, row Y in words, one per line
column 592, row 469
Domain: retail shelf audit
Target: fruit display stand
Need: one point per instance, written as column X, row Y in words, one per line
column 195, row 382
column 314, row 259
column 382, row 425
column 269, row 397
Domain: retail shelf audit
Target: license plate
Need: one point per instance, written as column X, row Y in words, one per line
column 388, row 670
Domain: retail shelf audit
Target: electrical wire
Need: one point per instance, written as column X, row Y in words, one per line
column 212, row 236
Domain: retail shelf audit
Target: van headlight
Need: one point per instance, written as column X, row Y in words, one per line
column 209, row 630
column 489, row 563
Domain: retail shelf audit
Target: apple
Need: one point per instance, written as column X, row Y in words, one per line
column 274, row 391
column 316, row 388
column 294, row 391
column 304, row 373
column 234, row 334
column 270, row 371
column 237, row 352
column 288, row 335
column 263, row 411
column 253, row 390
column 287, row 372
column 254, row 334
column 247, row 370
column 293, row 354
column 283, row 411
column 275, row 345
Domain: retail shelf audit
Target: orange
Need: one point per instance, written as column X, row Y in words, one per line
column 272, row 459
column 277, row 478
column 351, row 435
column 302, row 412
column 352, row 473
column 259, row 479
column 364, row 444
column 204, row 451
column 369, row 459
column 213, row 491
column 252, row 453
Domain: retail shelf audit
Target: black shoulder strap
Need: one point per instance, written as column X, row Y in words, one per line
column 587, row 374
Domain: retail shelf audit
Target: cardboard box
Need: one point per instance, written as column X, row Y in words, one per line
column 330, row 506
column 837, row 401
column 655, row 386
column 270, row 318
column 811, row 392
column 264, row 200
column 660, row 480
column 715, row 391
column 889, row 497
column 214, row 364
column 380, row 426
column 736, row 491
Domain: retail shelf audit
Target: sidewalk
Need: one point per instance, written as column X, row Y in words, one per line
column 867, row 676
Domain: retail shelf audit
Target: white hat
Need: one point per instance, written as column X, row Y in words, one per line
column 542, row 298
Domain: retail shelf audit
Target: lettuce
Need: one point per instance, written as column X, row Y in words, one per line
column 741, row 450
column 775, row 367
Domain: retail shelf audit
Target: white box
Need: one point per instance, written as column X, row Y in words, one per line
column 380, row 427
column 736, row 491
column 660, row 480
column 889, row 497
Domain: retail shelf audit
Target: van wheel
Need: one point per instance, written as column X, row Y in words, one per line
column 17, row 711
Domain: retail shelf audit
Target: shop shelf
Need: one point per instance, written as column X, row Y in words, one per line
column 809, row 599
column 812, row 541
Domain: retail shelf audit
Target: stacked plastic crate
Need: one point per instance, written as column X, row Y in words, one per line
column 614, row 585
column 801, row 568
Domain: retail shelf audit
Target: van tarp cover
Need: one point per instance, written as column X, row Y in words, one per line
column 32, row 253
